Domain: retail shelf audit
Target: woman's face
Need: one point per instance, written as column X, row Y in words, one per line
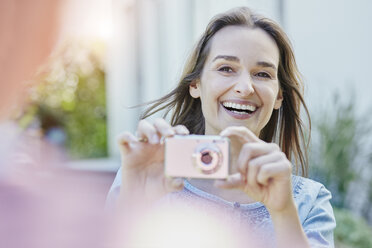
column 239, row 83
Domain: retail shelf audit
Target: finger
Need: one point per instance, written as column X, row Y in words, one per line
column 252, row 157
column 174, row 184
column 250, row 151
column 147, row 131
column 163, row 128
column 243, row 158
column 252, row 173
column 268, row 158
column 273, row 170
column 181, row 129
column 232, row 181
column 243, row 134
column 124, row 139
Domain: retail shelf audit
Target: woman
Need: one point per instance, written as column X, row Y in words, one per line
column 241, row 82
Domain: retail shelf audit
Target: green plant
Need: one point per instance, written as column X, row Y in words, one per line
column 69, row 96
column 351, row 231
column 339, row 134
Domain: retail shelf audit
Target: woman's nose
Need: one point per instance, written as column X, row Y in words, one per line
column 244, row 85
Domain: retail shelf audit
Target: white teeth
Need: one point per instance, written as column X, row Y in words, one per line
column 237, row 112
column 239, row 106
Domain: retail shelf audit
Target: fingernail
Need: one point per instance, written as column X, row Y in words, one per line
column 154, row 139
column 178, row 182
column 186, row 131
column 170, row 133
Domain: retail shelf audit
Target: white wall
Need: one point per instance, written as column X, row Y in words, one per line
column 121, row 76
column 332, row 41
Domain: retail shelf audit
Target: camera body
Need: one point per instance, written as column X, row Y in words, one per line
column 197, row 156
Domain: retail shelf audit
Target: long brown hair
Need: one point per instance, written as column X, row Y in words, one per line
column 285, row 125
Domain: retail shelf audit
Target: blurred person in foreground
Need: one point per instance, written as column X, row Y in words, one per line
column 241, row 81
column 28, row 31
column 41, row 205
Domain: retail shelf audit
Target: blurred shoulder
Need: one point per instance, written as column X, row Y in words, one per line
column 310, row 195
column 307, row 187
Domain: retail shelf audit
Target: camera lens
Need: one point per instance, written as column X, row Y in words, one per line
column 206, row 158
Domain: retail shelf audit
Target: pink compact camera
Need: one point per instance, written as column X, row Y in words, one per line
column 197, row 156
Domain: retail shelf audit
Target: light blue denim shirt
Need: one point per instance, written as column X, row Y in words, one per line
column 312, row 200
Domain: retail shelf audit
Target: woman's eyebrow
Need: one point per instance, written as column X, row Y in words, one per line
column 266, row 64
column 236, row 59
column 227, row 57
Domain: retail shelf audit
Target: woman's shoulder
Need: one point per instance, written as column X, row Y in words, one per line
column 306, row 191
column 306, row 187
column 311, row 197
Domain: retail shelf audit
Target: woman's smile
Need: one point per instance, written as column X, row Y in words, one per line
column 239, row 109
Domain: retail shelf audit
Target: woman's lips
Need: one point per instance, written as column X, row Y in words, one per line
column 241, row 115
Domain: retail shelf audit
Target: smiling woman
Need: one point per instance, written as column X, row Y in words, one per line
column 241, row 82
column 284, row 125
column 234, row 76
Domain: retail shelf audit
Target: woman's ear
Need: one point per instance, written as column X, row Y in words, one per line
column 279, row 99
column 194, row 88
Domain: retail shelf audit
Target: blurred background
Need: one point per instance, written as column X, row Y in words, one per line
column 112, row 55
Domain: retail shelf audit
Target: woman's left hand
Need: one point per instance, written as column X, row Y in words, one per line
column 264, row 172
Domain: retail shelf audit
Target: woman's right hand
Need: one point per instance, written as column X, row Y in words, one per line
column 142, row 158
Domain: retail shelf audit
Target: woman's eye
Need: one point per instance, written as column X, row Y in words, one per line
column 226, row 69
column 263, row 74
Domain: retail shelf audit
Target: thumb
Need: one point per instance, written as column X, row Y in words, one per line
column 231, row 182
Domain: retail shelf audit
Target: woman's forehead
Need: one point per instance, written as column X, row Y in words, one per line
column 244, row 43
